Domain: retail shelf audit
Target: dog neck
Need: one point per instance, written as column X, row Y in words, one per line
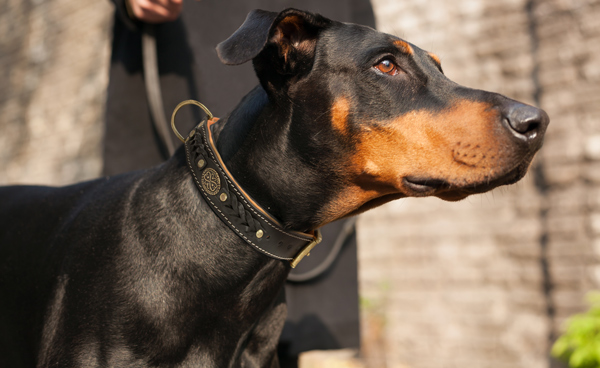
column 255, row 146
column 236, row 209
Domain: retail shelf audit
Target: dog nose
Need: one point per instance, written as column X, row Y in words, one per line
column 526, row 122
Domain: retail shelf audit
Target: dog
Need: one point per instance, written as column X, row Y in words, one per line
column 182, row 265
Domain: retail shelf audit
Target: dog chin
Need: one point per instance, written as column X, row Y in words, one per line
column 453, row 191
column 458, row 193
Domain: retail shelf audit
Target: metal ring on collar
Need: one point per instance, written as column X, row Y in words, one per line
column 181, row 104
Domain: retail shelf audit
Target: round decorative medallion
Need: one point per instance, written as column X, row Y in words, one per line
column 211, row 181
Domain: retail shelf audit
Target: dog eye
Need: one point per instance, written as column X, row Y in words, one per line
column 387, row 66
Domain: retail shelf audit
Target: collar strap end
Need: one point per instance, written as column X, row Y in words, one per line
column 306, row 250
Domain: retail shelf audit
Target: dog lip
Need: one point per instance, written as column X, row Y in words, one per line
column 424, row 185
column 509, row 178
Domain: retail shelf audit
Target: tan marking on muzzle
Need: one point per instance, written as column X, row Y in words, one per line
column 458, row 144
column 462, row 145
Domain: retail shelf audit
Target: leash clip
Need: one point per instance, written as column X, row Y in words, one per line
column 181, row 104
column 307, row 248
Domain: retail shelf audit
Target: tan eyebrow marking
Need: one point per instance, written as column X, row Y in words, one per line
column 435, row 58
column 404, row 47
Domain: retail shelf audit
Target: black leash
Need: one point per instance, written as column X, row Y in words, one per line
column 153, row 92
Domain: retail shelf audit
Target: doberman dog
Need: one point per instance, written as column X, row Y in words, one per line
column 148, row 269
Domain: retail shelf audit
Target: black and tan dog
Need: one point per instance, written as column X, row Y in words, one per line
column 179, row 266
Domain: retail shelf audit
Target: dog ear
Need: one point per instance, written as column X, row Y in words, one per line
column 292, row 32
column 245, row 43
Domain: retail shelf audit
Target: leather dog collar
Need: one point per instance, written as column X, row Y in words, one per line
column 235, row 208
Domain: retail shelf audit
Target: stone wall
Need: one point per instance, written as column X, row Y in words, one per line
column 485, row 282
column 53, row 77
column 568, row 34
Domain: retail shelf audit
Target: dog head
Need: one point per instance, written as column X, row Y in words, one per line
column 378, row 114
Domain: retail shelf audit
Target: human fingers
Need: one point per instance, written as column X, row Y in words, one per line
column 156, row 11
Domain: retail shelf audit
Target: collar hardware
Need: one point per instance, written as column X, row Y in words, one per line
column 234, row 206
column 305, row 252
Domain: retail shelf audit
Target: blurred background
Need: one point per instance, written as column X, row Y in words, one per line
column 486, row 282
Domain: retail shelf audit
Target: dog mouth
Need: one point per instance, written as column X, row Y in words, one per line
column 424, row 186
column 444, row 189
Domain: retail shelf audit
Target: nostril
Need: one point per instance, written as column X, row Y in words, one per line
column 524, row 126
column 526, row 121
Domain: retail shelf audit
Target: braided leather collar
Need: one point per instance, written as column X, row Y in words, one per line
column 235, row 208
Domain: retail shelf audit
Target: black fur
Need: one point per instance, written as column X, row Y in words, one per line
column 137, row 271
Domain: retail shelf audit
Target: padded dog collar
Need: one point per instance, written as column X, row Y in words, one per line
column 235, row 208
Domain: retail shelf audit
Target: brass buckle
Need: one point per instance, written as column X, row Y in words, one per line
column 307, row 248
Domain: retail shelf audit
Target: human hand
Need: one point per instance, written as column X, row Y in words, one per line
column 155, row 11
